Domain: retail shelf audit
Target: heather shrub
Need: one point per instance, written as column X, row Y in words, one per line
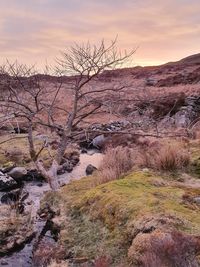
column 48, row 253
column 116, row 162
column 102, row 261
column 165, row 249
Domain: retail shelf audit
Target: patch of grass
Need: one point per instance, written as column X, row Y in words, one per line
column 17, row 150
column 102, row 219
column 15, row 228
column 116, row 162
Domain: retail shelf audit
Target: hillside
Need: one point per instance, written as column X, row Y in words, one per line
column 128, row 190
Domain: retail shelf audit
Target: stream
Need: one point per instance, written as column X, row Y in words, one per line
column 23, row 257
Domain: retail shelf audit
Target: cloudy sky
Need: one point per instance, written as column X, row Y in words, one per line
column 34, row 31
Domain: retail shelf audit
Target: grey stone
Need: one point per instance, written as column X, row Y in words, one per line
column 98, row 141
column 90, row 169
column 7, row 182
column 17, row 173
column 197, row 200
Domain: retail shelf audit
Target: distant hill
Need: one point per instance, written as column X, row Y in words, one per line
column 191, row 60
column 194, row 59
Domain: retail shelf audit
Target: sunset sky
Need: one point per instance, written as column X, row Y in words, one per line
column 34, row 31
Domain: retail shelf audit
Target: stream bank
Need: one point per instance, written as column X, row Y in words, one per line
column 22, row 257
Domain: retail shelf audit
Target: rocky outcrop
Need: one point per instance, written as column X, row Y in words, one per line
column 7, row 182
column 18, row 173
column 184, row 115
column 16, row 195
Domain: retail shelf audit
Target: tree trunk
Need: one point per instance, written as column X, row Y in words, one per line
column 62, row 147
column 50, row 175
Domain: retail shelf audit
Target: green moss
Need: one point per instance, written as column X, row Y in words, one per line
column 109, row 209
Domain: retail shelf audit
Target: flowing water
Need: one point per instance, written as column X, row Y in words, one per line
column 23, row 257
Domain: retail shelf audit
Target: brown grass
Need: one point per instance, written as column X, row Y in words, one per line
column 166, row 157
column 116, row 162
column 60, row 264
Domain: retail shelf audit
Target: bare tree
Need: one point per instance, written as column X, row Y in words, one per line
column 25, row 96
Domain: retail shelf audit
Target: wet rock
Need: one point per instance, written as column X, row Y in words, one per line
column 65, row 167
column 17, row 195
column 10, row 197
column 33, row 175
column 84, row 151
column 3, row 262
column 18, row 173
column 7, row 182
column 90, row 169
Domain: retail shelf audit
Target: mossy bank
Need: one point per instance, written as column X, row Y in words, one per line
column 105, row 219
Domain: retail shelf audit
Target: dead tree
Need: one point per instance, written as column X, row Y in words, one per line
column 28, row 98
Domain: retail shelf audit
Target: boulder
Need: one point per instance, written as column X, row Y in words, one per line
column 98, row 141
column 32, row 175
column 17, row 173
column 7, row 182
column 197, row 200
column 67, row 166
column 8, row 167
column 84, row 151
column 90, row 169
column 184, row 116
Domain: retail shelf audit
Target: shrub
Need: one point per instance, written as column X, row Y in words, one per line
column 102, row 261
column 164, row 249
column 166, row 157
column 48, row 254
column 116, row 162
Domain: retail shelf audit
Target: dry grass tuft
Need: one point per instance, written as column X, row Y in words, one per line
column 116, row 162
column 166, row 157
column 60, row 264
